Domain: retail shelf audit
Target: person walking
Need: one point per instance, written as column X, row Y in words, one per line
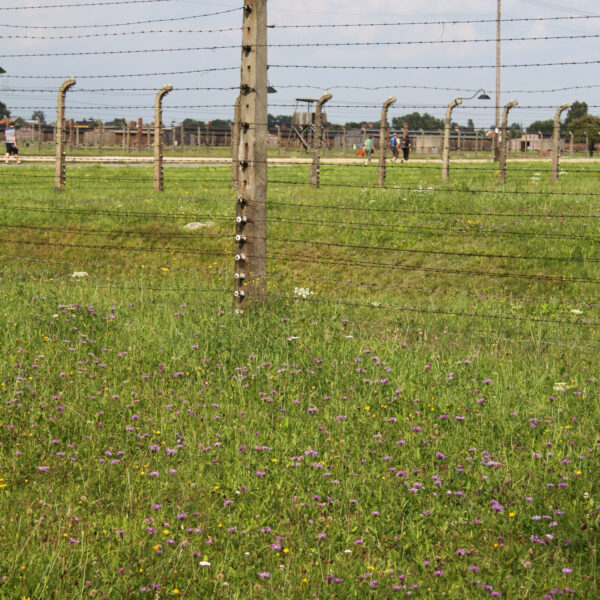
column 406, row 146
column 11, row 143
column 395, row 146
column 369, row 148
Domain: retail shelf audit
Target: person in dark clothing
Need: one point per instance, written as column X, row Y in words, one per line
column 406, row 146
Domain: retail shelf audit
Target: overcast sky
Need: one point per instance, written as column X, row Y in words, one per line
column 36, row 62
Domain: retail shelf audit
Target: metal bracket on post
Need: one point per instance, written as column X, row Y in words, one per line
column 555, row 136
column 384, row 133
column 250, row 275
column 60, row 173
column 158, row 141
column 446, row 146
column 315, row 169
column 502, row 142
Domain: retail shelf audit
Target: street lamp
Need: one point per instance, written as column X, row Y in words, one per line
column 446, row 143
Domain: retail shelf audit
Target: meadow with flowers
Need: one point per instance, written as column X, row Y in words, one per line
column 401, row 426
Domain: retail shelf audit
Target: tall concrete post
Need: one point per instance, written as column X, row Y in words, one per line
column 384, row 134
column 476, row 142
column 555, row 139
column 60, row 175
column 587, row 144
column 250, row 274
column 458, row 148
column 422, row 141
column 441, row 143
column 40, row 135
column 502, row 142
column 446, row 145
column 343, row 141
column 541, row 142
column 235, row 143
column 158, row 139
column 140, row 133
column 570, row 144
column 100, row 135
column 181, row 136
column 278, row 127
column 315, row 169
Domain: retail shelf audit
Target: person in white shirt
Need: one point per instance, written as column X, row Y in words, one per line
column 11, row 143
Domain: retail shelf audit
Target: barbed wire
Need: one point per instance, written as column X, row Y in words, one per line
column 580, row 36
column 129, row 75
column 392, row 266
column 451, row 313
column 129, row 267
column 283, row 277
column 445, row 22
column 104, row 3
column 391, row 249
column 435, row 67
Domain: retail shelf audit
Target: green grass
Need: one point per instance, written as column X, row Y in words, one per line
column 426, row 421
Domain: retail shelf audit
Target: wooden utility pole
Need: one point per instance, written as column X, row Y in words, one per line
column 60, row 175
column 555, row 139
column 384, row 134
column 158, row 139
column 502, row 142
column 251, row 219
column 315, row 168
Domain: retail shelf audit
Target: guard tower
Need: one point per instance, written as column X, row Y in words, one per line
column 303, row 122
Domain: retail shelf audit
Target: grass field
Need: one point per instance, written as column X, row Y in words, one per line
column 414, row 411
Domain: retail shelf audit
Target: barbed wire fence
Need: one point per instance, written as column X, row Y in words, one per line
column 416, row 256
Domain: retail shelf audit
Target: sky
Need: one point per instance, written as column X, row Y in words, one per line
column 424, row 52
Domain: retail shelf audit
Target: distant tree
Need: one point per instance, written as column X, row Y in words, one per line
column 4, row 112
column 220, row 124
column 576, row 111
column 586, row 124
column 192, row 123
column 116, row 123
column 515, row 129
column 273, row 120
column 19, row 121
column 470, row 125
column 417, row 121
column 38, row 114
column 354, row 125
column 545, row 127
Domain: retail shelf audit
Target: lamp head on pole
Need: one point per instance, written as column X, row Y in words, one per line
column 483, row 95
column 2, row 71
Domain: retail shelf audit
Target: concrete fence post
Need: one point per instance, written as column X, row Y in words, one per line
column 343, row 141
column 199, row 140
column 140, row 133
column 540, row 142
column 476, row 142
column 278, row 127
column 235, row 143
column 587, row 144
column 502, row 142
column 458, row 148
column 441, row 146
column 446, row 144
column 40, row 135
column 315, row 169
column 555, row 140
column 422, row 141
column 158, row 138
column 100, row 136
column 570, row 144
column 384, row 134
column 207, row 140
column 250, row 274
column 60, row 175
column 181, row 136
